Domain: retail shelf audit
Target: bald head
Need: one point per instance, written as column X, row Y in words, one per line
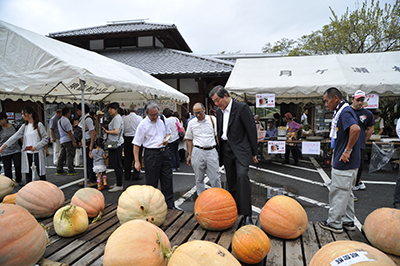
column 198, row 110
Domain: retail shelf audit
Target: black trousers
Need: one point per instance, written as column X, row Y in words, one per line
column 28, row 176
column 89, row 165
column 158, row 166
column 7, row 162
column 360, row 169
column 237, row 178
column 295, row 153
column 115, row 162
column 129, row 158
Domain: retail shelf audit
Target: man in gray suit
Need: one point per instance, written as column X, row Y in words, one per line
column 237, row 135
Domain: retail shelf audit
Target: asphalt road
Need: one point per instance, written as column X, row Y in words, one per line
column 305, row 183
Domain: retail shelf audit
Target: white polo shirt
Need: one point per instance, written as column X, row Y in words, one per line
column 202, row 132
column 151, row 134
column 131, row 122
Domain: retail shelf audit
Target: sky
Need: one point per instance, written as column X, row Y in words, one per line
column 208, row 26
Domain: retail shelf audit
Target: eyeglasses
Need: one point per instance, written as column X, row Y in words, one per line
column 153, row 115
column 198, row 113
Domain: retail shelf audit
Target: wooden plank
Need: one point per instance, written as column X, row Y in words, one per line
column 89, row 245
column 91, row 256
column 172, row 215
column 356, row 235
column 275, row 256
column 98, row 262
column 324, row 236
column 198, row 234
column 310, row 242
column 212, row 236
column 294, row 256
column 99, row 229
column 57, row 256
column 46, row 262
column 226, row 236
column 178, row 224
column 184, row 233
column 341, row 236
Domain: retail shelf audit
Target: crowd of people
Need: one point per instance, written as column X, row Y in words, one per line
column 229, row 140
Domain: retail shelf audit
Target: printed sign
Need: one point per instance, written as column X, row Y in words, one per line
column 351, row 258
column 276, row 147
column 311, row 147
column 371, row 101
column 10, row 115
column 265, row 100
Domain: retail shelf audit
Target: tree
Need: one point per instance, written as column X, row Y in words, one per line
column 365, row 30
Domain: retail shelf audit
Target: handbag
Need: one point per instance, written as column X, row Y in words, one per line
column 45, row 146
column 181, row 133
column 112, row 145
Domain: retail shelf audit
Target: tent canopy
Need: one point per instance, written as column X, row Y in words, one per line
column 33, row 66
column 298, row 79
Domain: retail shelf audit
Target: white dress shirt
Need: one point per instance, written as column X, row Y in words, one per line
column 151, row 134
column 226, row 112
column 202, row 132
column 131, row 122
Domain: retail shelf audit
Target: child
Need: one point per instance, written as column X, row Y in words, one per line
column 99, row 166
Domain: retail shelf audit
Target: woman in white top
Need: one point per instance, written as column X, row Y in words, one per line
column 35, row 139
column 173, row 142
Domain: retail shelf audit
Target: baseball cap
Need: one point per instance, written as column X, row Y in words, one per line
column 99, row 112
column 358, row 94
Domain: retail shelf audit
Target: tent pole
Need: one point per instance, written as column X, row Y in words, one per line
column 82, row 82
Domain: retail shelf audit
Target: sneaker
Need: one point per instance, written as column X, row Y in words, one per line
column 91, row 184
column 116, row 189
column 326, row 226
column 61, row 172
column 355, row 199
column 329, row 183
column 349, row 226
column 113, row 186
column 362, row 186
column 73, row 173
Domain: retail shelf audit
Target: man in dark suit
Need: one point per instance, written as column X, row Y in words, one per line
column 237, row 136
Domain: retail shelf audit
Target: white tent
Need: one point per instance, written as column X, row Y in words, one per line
column 305, row 78
column 33, row 66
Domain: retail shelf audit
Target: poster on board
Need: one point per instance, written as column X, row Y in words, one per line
column 371, row 101
column 276, row 147
column 311, row 147
column 265, row 100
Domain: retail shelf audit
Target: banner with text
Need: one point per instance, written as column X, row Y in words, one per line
column 265, row 100
column 311, row 147
column 276, row 147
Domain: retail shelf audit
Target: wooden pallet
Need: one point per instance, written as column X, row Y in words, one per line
column 180, row 227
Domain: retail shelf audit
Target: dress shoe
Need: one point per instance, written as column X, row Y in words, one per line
column 248, row 220
column 138, row 177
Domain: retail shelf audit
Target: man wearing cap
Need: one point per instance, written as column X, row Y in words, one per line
column 55, row 135
column 131, row 123
column 366, row 123
column 344, row 131
column 203, row 157
column 97, row 123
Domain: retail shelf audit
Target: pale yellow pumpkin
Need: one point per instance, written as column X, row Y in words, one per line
column 202, row 253
column 136, row 243
column 6, row 186
column 40, row 198
column 22, row 239
column 142, row 202
column 70, row 220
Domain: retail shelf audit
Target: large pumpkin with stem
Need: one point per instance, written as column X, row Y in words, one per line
column 215, row 209
column 142, row 202
column 70, row 220
column 202, row 253
column 352, row 252
column 250, row 244
column 138, row 243
column 6, row 186
column 90, row 199
column 40, row 198
column 22, row 239
column 283, row 217
column 382, row 228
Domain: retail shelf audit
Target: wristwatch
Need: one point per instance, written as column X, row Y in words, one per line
column 347, row 151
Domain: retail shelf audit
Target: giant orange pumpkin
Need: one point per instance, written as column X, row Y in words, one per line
column 382, row 228
column 350, row 252
column 136, row 242
column 22, row 239
column 250, row 244
column 283, row 217
column 215, row 209
column 6, row 186
column 40, row 198
column 91, row 200
column 202, row 253
column 142, row 202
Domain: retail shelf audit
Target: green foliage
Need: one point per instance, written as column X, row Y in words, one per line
column 368, row 29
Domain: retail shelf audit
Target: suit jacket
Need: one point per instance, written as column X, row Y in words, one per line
column 242, row 132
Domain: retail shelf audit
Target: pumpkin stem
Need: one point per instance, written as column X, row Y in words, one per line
column 98, row 217
column 167, row 252
column 46, row 231
column 64, row 212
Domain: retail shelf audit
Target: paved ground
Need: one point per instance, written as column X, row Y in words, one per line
column 305, row 183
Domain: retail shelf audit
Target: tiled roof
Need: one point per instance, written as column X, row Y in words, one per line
column 114, row 28
column 164, row 61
